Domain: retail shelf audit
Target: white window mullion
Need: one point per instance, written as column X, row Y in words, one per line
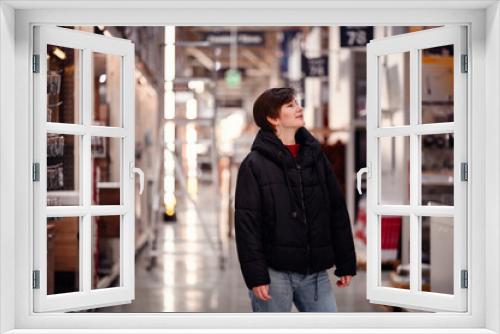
column 41, row 215
column 434, row 211
column 86, row 119
column 415, row 253
column 392, row 210
column 84, row 165
column 80, row 129
column 80, row 211
column 372, row 182
column 415, row 233
column 103, row 131
column 107, row 210
column 402, row 130
column 419, row 129
column 65, row 211
column 86, row 253
column 419, row 210
column 433, row 128
column 86, row 231
column 460, row 251
column 66, row 128
column 40, row 157
column 127, row 220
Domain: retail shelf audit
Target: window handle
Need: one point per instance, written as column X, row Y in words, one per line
column 135, row 170
column 359, row 175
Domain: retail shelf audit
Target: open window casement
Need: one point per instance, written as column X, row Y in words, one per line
column 411, row 79
column 71, row 143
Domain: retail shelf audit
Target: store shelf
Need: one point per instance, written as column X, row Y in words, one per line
column 63, row 197
column 437, row 179
column 106, row 281
column 182, row 121
column 108, row 185
column 359, row 123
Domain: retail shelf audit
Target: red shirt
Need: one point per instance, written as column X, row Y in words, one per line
column 294, row 148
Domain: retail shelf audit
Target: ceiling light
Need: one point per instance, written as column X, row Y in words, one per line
column 59, row 53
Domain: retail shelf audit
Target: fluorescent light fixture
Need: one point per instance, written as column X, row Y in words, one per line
column 197, row 85
column 59, row 53
column 191, row 109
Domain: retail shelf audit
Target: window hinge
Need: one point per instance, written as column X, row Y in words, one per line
column 465, row 67
column 36, row 63
column 36, row 172
column 36, row 279
column 464, row 171
column 465, row 279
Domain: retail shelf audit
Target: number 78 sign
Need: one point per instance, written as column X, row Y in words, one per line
column 355, row 36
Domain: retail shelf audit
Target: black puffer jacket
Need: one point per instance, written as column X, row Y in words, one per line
column 290, row 213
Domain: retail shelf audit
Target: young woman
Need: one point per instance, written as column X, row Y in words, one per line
column 291, row 222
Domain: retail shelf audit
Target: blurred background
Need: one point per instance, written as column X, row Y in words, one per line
column 195, row 87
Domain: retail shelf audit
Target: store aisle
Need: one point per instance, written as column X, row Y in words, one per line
column 187, row 277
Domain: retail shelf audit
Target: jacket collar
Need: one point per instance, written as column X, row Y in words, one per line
column 268, row 144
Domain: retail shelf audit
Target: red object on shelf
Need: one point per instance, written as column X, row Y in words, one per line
column 391, row 232
column 360, row 230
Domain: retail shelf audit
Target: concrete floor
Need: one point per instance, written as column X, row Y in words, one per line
column 187, row 275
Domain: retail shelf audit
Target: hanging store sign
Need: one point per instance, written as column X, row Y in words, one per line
column 232, row 77
column 253, row 38
column 355, row 36
column 316, row 67
column 223, row 71
column 229, row 102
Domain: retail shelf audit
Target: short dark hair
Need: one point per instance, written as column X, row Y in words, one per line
column 269, row 103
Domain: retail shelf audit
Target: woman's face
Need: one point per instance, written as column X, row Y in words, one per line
column 290, row 116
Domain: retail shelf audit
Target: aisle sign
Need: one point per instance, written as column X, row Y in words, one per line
column 316, row 67
column 355, row 36
column 250, row 38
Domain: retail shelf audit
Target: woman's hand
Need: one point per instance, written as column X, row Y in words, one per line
column 262, row 292
column 344, row 281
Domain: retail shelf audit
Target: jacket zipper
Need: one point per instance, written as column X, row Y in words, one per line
column 302, row 194
column 304, row 212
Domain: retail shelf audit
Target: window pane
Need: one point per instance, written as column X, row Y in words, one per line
column 395, row 251
column 437, row 254
column 106, row 90
column 63, row 84
column 437, row 169
column 394, row 89
column 437, row 84
column 106, row 156
column 105, row 252
column 62, row 255
column 394, row 167
column 63, row 169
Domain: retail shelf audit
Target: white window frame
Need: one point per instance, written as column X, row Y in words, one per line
column 413, row 43
column 85, row 44
column 16, row 20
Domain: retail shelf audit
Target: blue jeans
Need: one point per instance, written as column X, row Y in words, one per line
column 309, row 293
